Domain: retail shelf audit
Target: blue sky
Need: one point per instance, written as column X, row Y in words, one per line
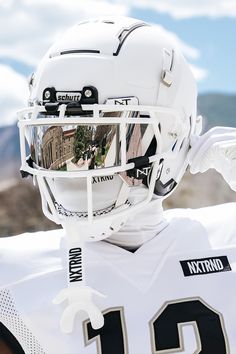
column 205, row 29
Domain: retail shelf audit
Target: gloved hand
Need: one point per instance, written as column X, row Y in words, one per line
column 215, row 149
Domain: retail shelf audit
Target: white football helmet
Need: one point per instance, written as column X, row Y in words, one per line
column 112, row 106
column 112, row 109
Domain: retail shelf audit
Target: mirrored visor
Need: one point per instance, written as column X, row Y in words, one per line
column 73, row 147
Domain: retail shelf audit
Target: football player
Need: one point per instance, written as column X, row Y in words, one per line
column 111, row 127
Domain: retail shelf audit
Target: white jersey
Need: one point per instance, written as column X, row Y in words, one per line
column 176, row 293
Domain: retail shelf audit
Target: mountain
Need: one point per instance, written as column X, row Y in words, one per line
column 21, row 211
column 9, row 153
column 9, row 142
column 217, row 109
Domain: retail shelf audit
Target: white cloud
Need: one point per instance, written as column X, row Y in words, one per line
column 29, row 27
column 188, row 8
column 14, row 92
column 199, row 73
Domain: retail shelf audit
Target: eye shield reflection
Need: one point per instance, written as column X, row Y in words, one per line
column 75, row 147
column 84, row 147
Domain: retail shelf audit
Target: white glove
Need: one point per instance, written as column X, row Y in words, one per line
column 215, row 149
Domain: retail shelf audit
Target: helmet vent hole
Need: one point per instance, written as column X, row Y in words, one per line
column 159, row 127
column 109, row 22
column 173, row 147
column 182, row 144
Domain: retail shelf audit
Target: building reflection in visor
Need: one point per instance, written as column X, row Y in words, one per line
column 81, row 147
column 87, row 147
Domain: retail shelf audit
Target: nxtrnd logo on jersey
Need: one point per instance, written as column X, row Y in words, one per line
column 75, row 264
column 205, row 265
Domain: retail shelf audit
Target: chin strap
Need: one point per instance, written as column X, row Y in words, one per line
column 78, row 295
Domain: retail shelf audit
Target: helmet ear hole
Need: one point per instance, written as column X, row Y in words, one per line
column 108, row 22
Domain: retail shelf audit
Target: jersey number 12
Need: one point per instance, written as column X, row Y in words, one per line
column 165, row 329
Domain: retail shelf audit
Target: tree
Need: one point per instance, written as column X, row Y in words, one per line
column 82, row 140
